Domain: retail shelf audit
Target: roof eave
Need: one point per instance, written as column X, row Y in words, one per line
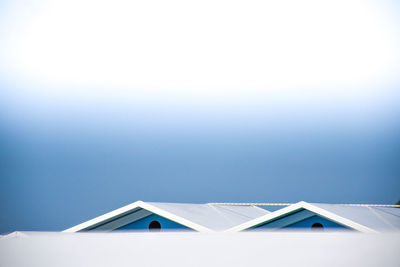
column 302, row 205
column 126, row 209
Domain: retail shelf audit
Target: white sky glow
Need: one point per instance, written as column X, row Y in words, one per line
column 201, row 48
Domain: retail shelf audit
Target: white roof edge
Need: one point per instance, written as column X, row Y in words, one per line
column 175, row 218
column 104, row 217
column 339, row 219
column 138, row 204
column 304, row 205
column 264, row 218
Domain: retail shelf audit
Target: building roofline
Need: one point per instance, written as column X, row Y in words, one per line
column 288, row 204
column 297, row 206
column 131, row 207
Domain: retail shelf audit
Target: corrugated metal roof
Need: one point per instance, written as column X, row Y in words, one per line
column 377, row 218
column 214, row 217
column 199, row 217
column 230, row 217
column 364, row 218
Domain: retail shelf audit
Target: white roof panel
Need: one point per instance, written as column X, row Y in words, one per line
column 377, row 218
column 223, row 217
column 199, row 217
column 214, row 217
column 391, row 215
column 368, row 219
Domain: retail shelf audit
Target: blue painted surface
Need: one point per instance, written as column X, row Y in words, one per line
column 307, row 223
column 143, row 224
column 300, row 219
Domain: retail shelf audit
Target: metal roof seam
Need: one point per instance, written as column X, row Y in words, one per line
column 261, row 208
column 221, row 213
column 388, row 212
column 235, row 212
column 381, row 218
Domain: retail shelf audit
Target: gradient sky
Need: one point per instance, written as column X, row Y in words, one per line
column 103, row 104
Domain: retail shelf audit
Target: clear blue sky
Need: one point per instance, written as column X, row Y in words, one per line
column 170, row 106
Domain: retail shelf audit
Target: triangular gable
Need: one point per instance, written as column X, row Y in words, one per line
column 131, row 213
column 153, row 222
column 299, row 219
column 274, row 216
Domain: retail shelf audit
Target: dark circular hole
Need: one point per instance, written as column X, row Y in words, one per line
column 317, row 226
column 155, row 226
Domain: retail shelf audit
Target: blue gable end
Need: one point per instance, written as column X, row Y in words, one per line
column 309, row 222
column 143, row 224
column 301, row 219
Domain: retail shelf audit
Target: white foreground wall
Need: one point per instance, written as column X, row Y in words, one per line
column 195, row 249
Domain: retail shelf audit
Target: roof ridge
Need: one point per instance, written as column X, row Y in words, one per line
column 250, row 204
column 287, row 204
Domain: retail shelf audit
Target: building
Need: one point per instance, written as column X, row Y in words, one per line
column 316, row 216
column 237, row 217
column 145, row 216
